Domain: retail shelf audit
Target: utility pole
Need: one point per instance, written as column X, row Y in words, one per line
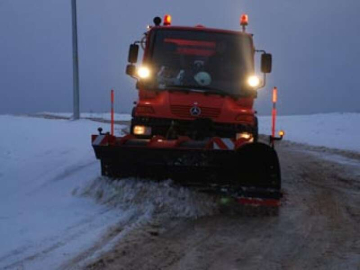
column 76, row 95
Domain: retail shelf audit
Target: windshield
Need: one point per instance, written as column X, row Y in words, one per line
column 200, row 60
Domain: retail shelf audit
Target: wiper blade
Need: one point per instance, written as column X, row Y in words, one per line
column 177, row 88
column 212, row 90
column 197, row 88
column 209, row 89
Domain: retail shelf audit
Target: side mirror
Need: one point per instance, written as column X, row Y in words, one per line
column 133, row 53
column 266, row 63
column 131, row 70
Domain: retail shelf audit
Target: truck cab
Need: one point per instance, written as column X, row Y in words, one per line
column 196, row 82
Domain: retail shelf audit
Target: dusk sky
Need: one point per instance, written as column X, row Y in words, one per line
column 315, row 47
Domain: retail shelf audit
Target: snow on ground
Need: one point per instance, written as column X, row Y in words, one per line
column 45, row 165
column 161, row 199
column 41, row 222
column 333, row 130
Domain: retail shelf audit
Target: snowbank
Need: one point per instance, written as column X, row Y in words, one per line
column 45, row 166
column 151, row 198
column 41, row 222
column 103, row 116
column 334, row 130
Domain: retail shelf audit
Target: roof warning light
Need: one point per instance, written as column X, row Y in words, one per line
column 244, row 21
column 167, row 20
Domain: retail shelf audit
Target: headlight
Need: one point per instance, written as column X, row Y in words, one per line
column 143, row 72
column 254, row 81
column 142, row 130
column 245, row 135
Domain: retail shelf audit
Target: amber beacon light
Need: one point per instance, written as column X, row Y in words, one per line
column 167, row 20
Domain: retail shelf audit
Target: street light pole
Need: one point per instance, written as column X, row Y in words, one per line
column 76, row 95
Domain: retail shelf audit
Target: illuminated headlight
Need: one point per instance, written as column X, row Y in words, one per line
column 142, row 130
column 245, row 135
column 143, row 72
column 254, row 81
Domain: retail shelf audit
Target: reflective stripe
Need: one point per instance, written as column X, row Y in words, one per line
column 98, row 139
column 216, row 147
column 223, row 144
column 229, row 143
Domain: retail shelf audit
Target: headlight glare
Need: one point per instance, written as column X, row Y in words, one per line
column 254, row 81
column 143, row 72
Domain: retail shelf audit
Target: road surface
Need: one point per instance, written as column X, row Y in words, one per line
column 317, row 227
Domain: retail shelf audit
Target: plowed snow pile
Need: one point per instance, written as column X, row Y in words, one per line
column 151, row 198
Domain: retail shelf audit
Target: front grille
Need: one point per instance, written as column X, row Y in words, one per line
column 184, row 111
column 161, row 126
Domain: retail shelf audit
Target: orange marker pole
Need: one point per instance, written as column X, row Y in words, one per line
column 274, row 99
column 112, row 112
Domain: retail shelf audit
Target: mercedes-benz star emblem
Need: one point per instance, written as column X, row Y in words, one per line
column 195, row 111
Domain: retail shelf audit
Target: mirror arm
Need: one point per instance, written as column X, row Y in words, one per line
column 135, row 77
column 142, row 42
column 132, row 75
column 263, row 81
column 260, row 51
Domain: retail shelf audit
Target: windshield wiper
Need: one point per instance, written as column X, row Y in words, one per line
column 209, row 89
column 197, row 88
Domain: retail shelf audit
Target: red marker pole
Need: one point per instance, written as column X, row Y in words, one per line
column 274, row 99
column 112, row 112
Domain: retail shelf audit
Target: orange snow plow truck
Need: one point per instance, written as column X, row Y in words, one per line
column 194, row 120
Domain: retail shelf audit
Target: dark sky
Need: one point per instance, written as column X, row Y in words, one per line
column 315, row 46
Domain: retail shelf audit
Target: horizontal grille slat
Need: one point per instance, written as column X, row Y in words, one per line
column 184, row 111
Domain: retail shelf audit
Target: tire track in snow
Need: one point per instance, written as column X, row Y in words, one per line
column 317, row 227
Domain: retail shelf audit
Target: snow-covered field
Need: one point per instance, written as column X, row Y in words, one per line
column 47, row 165
column 49, row 177
column 333, row 130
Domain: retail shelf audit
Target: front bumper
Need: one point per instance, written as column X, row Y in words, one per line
column 205, row 127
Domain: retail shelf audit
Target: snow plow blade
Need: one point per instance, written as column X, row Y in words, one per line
column 248, row 171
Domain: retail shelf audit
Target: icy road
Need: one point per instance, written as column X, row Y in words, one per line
column 317, row 228
column 57, row 213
